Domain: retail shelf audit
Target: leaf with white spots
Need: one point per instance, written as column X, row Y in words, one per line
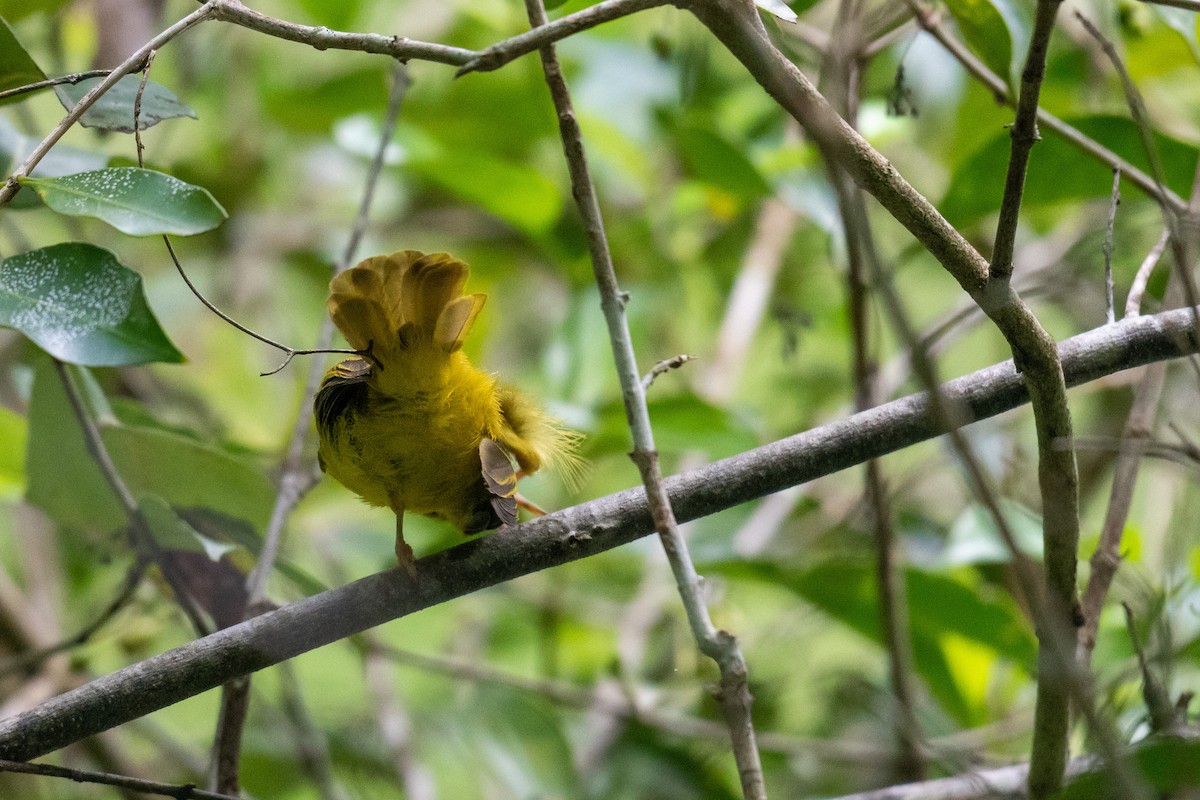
column 114, row 110
column 82, row 306
column 140, row 202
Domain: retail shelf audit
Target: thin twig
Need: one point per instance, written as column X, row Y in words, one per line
column 720, row 645
column 129, row 65
column 663, row 367
column 1024, row 137
column 137, row 108
column 290, row 352
column 1109, row 307
column 178, row 791
column 1133, row 303
column 72, row 79
column 1180, row 245
column 1154, row 694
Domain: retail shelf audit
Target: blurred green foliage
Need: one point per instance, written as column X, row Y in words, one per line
column 685, row 149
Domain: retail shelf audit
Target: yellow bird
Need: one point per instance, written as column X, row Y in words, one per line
column 413, row 425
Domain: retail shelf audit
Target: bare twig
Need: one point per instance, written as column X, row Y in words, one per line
column 663, row 367
column 1182, row 247
column 1133, row 303
column 178, row 791
column 1024, row 137
column 564, row 536
column 1154, row 694
column 289, row 352
column 72, row 79
column 733, row 692
column 1109, row 310
column 1106, row 559
column 137, row 108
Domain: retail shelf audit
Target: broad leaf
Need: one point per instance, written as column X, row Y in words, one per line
column 514, row 192
column 17, row 68
column 114, row 110
column 140, row 202
column 987, row 32
column 63, row 479
column 942, row 610
column 1059, row 171
column 81, row 305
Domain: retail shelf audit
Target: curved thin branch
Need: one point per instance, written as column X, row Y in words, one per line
column 73, row 78
column 179, row 791
column 567, row 535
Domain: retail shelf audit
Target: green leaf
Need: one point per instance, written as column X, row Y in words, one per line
column 140, row 202
column 81, row 305
column 17, row 68
column 63, row 479
column 717, row 162
column 1059, row 171
column 114, row 110
column 987, row 32
column 517, row 194
column 939, row 607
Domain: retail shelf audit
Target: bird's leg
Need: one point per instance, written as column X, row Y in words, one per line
column 530, row 506
column 404, row 553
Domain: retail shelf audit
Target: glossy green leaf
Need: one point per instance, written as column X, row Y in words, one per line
column 81, row 305
column 114, row 110
column 1059, row 171
column 17, row 68
column 517, row 194
column 63, row 479
column 140, row 202
column 986, row 32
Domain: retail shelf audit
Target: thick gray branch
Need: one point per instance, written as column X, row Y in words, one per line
column 555, row 539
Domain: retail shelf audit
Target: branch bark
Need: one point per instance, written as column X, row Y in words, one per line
column 571, row 534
